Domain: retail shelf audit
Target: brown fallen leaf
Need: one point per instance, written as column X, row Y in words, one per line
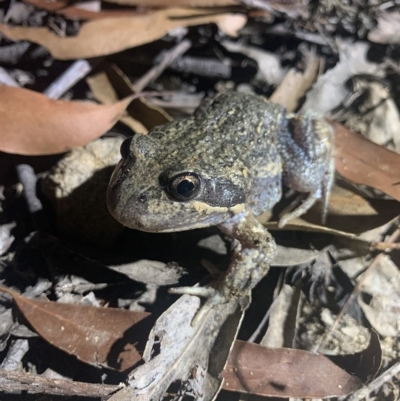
column 67, row 8
column 55, row 5
column 349, row 214
column 32, row 124
column 361, row 161
column 111, row 35
column 285, row 372
column 98, row 336
column 176, row 3
column 104, row 92
column 111, row 83
column 149, row 115
column 354, row 213
column 80, row 13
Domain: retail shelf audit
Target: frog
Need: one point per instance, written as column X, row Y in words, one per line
column 223, row 166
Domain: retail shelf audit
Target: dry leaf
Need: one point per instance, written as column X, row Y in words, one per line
column 383, row 288
column 56, row 5
column 111, row 35
column 70, row 10
column 176, row 3
column 98, row 336
column 150, row 116
column 354, row 213
column 349, row 214
column 186, row 352
column 296, row 84
column 105, row 93
column 330, row 89
column 269, row 64
column 388, row 29
column 80, row 13
column 363, row 162
column 32, row 124
column 285, row 372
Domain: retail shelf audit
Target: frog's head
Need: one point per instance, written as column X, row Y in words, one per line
column 150, row 191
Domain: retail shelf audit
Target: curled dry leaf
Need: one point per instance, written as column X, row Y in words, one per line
column 285, row 372
column 98, row 336
column 361, row 161
column 111, row 84
column 104, row 92
column 32, row 124
column 296, row 84
column 111, row 35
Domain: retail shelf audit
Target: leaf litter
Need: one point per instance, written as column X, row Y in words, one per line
column 91, row 334
column 302, row 63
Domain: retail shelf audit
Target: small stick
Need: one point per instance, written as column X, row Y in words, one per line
column 13, row 381
column 7, row 79
column 73, row 74
column 156, row 71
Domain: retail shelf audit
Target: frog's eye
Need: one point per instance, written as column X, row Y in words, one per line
column 184, row 187
column 124, row 149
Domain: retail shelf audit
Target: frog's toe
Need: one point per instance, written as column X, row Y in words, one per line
column 213, row 297
column 298, row 209
column 203, row 292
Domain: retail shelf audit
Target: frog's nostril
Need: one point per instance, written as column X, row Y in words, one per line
column 142, row 198
column 125, row 147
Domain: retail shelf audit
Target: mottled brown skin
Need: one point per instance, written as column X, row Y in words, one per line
column 232, row 157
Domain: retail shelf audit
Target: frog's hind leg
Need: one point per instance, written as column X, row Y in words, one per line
column 306, row 148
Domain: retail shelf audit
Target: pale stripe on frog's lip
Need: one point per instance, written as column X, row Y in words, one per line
column 211, row 220
column 178, row 227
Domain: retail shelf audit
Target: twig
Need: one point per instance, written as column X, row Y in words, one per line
column 28, row 179
column 7, row 79
column 156, row 71
column 13, row 381
column 15, row 354
column 394, row 237
column 69, row 78
column 383, row 246
column 261, row 325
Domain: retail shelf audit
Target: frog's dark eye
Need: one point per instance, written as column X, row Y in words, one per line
column 124, row 150
column 184, row 187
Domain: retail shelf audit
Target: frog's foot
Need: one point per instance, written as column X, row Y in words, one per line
column 213, row 297
column 298, row 208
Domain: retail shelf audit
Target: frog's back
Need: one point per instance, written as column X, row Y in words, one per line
column 251, row 124
column 230, row 135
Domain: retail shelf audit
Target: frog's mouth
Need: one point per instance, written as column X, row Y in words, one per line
column 168, row 216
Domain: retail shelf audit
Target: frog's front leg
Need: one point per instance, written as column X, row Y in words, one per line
column 305, row 144
column 254, row 249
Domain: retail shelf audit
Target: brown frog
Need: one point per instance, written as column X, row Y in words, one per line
column 223, row 166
